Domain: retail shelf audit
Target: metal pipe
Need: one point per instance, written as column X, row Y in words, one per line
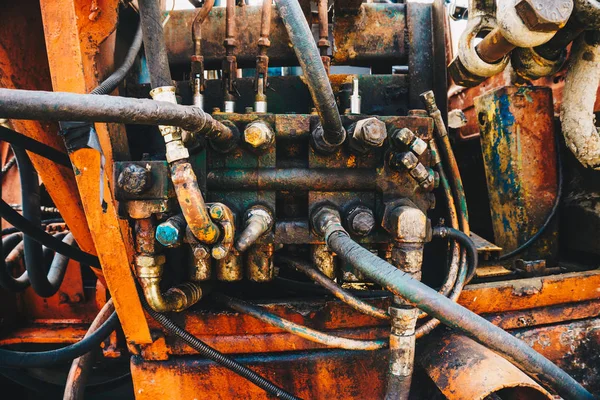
column 197, row 61
column 262, row 60
column 229, row 68
column 59, row 106
column 82, row 366
column 517, row 352
column 330, row 285
column 298, row 179
column 154, row 43
column 332, row 133
column 577, row 109
column 402, row 353
column 299, row 330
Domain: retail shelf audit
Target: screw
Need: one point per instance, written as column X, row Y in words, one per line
column 258, row 135
column 544, row 15
column 360, row 221
column 171, row 232
column 135, row 179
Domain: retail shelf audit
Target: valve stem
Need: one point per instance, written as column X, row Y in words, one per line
column 355, row 98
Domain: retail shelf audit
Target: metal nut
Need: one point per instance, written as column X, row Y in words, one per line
column 405, row 222
column 370, row 132
column 360, row 221
column 135, row 179
column 259, row 135
column 149, row 261
column 544, row 15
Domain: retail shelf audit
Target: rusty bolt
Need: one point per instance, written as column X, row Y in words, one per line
column 403, row 160
column 259, row 135
column 544, row 15
column 370, row 132
column 407, row 138
column 360, row 221
column 135, row 179
column 405, row 222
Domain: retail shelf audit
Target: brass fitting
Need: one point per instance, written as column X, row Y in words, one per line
column 230, row 268
column 201, row 269
column 171, row 134
column 149, row 270
column 258, row 221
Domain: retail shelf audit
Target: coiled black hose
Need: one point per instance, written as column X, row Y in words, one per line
column 25, row 359
column 7, row 281
column 216, row 355
column 465, row 241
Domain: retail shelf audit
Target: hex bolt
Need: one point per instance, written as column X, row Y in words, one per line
column 367, row 134
column 406, row 160
column 544, row 15
column 259, row 135
column 360, row 221
column 406, row 137
column 135, row 179
column 171, row 232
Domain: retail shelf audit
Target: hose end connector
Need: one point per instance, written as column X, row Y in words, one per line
column 326, row 220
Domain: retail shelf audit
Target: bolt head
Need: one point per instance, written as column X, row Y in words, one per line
column 544, row 15
column 371, row 132
column 135, row 179
column 361, row 221
column 200, row 252
column 404, row 222
column 258, row 135
column 168, row 234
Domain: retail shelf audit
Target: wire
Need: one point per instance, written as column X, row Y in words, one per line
column 18, row 221
column 216, row 355
column 33, row 146
column 38, row 359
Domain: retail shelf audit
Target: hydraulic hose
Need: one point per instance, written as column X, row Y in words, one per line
column 299, row 330
column 30, row 199
column 81, row 366
column 61, row 106
column 10, row 244
column 39, row 359
column 115, row 79
column 315, row 75
column 453, row 315
column 465, row 241
column 17, row 220
column 154, row 43
column 216, row 356
column 331, row 286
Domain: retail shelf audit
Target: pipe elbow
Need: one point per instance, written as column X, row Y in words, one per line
column 577, row 109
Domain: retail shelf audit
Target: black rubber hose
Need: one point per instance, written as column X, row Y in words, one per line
column 12, row 229
column 17, row 220
column 39, row 359
column 456, row 316
column 30, row 199
column 154, row 43
column 216, row 356
column 7, row 281
column 313, row 70
column 465, row 241
column 58, row 267
column 115, row 79
column 33, row 146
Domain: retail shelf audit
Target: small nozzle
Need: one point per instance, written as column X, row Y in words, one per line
column 355, row 98
column 259, row 220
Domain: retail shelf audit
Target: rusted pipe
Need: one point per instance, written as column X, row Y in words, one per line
column 197, row 25
column 39, row 105
column 82, row 366
column 329, row 225
column 323, row 44
column 197, row 60
column 444, row 360
column 293, row 179
column 341, row 294
column 262, row 60
column 577, row 109
column 192, row 203
column 229, row 68
column 402, row 353
column 299, row 330
column 331, row 134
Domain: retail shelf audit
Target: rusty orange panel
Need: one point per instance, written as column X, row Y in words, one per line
column 316, row 375
column 59, row 332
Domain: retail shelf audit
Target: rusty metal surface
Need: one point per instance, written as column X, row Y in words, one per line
column 314, row 375
column 519, row 154
column 374, row 34
column 463, row 369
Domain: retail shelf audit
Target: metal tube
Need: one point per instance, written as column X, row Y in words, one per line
column 154, row 43
column 299, row 330
column 333, row 133
column 494, row 47
column 59, row 106
column 450, row 313
column 298, row 179
column 341, row 294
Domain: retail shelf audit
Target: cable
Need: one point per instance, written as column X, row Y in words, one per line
column 38, row 359
column 11, row 230
column 299, row 330
column 550, row 216
column 17, row 220
column 216, row 356
column 13, row 245
column 33, row 146
column 337, row 291
column 465, row 241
